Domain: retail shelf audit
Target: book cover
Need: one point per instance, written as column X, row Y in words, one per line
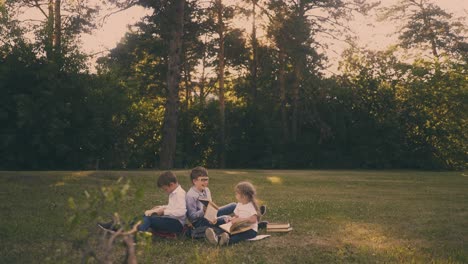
column 211, row 212
column 236, row 228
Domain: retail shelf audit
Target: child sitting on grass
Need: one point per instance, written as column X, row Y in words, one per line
column 246, row 210
column 200, row 190
column 170, row 217
column 167, row 218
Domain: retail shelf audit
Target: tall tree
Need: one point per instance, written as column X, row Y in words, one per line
column 220, row 16
column 254, row 51
column 170, row 17
column 278, row 31
column 252, row 12
column 57, row 42
column 193, row 52
column 294, row 33
column 61, row 24
column 219, row 7
column 171, row 114
column 49, row 30
column 424, row 23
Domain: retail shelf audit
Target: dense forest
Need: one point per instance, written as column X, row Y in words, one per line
column 185, row 87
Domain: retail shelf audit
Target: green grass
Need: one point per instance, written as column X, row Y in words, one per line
column 337, row 216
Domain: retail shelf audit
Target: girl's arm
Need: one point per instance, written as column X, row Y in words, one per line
column 251, row 219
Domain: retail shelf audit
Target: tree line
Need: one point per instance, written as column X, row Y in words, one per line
column 185, row 87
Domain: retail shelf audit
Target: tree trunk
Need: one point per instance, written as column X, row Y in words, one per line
column 186, row 119
column 222, row 130
column 169, row 136
column 188, row 84
column 298, row 69
column 203, row 81
column 57, row 30
column 254, row 55
column 203, row 77
column 295, row 100
column 428, row 26
column 282, row 92
column 49, row 46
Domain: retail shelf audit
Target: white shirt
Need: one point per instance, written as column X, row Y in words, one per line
column 176, row 207
column 246, row 211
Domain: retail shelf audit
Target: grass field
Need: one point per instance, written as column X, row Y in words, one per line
column 337, row 216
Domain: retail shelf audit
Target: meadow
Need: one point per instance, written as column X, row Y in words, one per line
column 338, row 216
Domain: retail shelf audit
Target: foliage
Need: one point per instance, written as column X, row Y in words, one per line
column 426, row 24
column 381, row 112
column 53, row 121
column 423, row 110
column 435, row 113
column 84, row 211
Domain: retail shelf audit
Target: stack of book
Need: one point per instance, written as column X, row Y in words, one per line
column 278, row 227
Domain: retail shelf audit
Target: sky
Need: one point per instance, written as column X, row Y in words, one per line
column 375, row 35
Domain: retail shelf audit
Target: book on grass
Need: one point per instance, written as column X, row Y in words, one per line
column 211, row 212
column 236, row 228
column 278, row 227
column 279, row 230
column 259, row 237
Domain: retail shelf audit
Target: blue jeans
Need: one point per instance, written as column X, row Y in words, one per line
column 242, row 236
column 204, row 222
column 222, row 211
column 160, row 223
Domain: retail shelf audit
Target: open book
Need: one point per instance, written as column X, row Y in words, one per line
column 279, row 227
column 211, row 212
column 157, row 207
column 238, row 227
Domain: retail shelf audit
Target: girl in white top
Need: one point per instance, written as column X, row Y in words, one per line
column 246, row 210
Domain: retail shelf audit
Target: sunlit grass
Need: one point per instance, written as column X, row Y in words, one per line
column 337, row 216
column 275, row 179
column 234, row 172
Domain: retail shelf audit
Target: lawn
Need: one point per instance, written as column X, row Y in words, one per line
column 338, row 216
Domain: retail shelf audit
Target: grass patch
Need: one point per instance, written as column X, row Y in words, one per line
column 338, row 216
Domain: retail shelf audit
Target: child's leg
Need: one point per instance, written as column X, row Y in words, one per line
column 220, row 220
column 227, row 209
column 201, row 222
column 242, row 236
column 145, row 224
column 166, row 224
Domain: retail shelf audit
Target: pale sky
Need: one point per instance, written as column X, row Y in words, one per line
column 370, row 33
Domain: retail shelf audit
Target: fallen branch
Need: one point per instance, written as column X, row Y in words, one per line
column 127, row 237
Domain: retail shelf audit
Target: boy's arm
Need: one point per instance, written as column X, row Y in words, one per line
column 159, row 206
column 157, row 210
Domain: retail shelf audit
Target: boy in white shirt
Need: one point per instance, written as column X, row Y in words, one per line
column 170, row 217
